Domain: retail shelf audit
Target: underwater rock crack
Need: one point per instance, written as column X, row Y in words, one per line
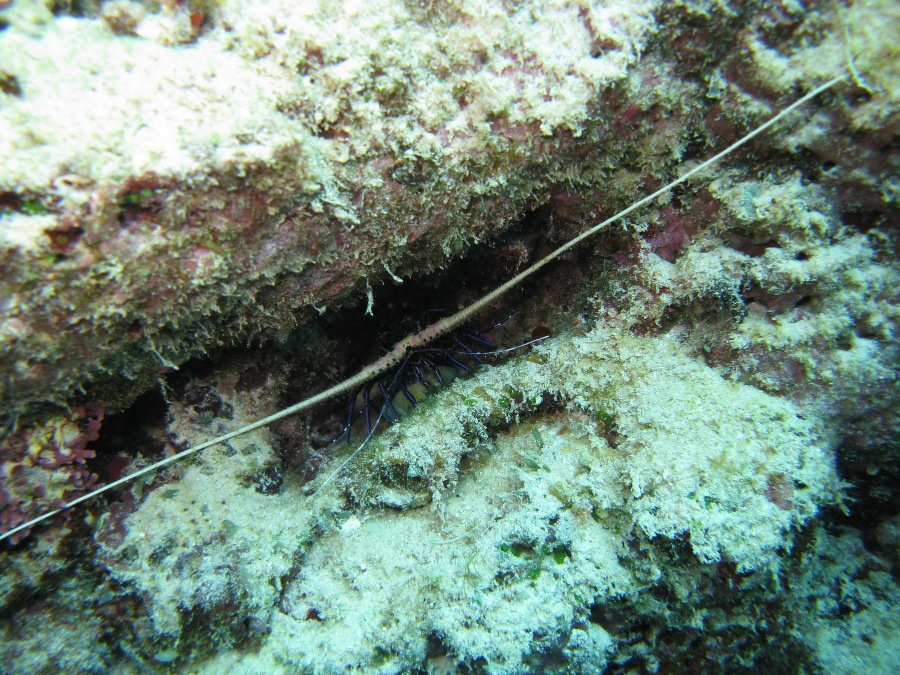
column 442, row 327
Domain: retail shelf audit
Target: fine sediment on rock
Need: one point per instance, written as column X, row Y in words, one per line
column 163, row 199
column 639, row 490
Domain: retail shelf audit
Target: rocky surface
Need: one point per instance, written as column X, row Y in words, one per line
column 646, row 486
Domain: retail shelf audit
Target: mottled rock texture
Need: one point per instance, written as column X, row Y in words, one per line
column 635, row 494
column 161, row 199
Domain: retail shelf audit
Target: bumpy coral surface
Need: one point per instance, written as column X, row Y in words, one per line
column 697, row 466
column 160, row 199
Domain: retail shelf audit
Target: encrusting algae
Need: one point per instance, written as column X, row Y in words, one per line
column 665, row 479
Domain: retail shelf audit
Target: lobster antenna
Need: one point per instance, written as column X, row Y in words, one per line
column 437, row 329
column 349, row 459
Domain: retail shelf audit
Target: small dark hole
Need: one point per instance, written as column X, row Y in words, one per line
column 9, row 84
column 540, row 332
column 859, row 96
column 845, row 342
column 867, row 332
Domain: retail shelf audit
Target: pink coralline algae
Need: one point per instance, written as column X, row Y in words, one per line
column 43, row 467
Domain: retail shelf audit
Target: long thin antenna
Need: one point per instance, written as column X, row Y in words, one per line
column 435, row 330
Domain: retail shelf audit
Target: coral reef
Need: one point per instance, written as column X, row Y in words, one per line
column 847, row 597
column 574, row 521
column 341, row 154
column 697, row 466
